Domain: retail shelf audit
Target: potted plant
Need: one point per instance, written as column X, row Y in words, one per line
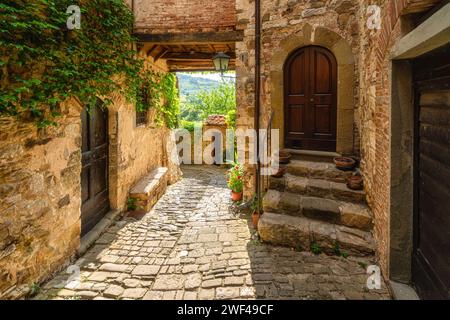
column 344, row 163
column 355, row 182
column 236, row 181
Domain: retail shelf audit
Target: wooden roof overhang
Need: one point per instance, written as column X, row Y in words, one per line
column 190, row 51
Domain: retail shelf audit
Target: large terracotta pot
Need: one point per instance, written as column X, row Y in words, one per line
column 236, row 196
column 355, row 182
column 344, row 163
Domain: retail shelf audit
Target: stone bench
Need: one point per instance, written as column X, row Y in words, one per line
column 150, row 189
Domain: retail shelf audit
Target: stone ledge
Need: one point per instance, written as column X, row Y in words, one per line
column 300, row 232
column 316, row 188
column 339, row 212
column 150, row 189
column 317, row 170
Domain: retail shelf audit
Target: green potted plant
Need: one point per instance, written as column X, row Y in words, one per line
column 236, row 181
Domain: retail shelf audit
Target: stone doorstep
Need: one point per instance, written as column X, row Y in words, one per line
column 317, row 170
column 338, row 212
column 301, row 232
column 316, row 188
column 88, row 239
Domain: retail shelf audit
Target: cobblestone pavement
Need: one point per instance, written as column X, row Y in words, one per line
column 191, row 246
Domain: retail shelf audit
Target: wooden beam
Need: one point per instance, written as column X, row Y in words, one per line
column 204, row 65
column 198, row 37
column 194, row 56
column 149, row 52
column 161, row 54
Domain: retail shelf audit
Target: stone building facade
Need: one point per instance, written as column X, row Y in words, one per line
column 374, row 115
column 364, row 95
column 40, row 185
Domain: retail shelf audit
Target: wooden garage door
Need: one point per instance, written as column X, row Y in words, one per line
column 431, row 261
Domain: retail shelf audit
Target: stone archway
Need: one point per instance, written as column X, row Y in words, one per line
column 345, row 92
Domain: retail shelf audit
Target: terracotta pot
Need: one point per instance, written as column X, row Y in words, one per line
column 344, row 163
column 255, row 219
column 355, row 183
column 280, row 173
column 236, row 196
column 285, row 157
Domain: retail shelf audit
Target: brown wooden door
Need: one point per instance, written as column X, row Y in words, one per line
column 94, row 173
column 431, row 257
column 310, row 81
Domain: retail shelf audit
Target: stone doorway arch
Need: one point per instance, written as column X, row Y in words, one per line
column 330, row 40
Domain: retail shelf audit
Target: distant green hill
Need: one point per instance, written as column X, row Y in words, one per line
column 190, row 85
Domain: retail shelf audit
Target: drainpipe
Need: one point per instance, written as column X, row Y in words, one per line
column 258, row 96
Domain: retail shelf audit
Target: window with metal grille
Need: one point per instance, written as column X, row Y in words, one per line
column 141, row 118
column 142, row 115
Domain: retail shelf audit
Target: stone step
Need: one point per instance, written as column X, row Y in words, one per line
column 317, row 170
column 301, row 233
column 355, row 215
column 150, row 189
column 316, row 188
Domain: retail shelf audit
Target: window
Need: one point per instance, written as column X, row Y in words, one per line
column 142, row 115
column 141, row 118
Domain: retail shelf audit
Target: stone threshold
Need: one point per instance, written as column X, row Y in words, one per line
column 88, row 240
column 401, row 291
column 313, row 153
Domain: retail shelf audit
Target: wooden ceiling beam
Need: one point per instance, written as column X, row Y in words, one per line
column 198, row 37
column 194, row 56
column 205, row 65
column 152, row 49
column 161, row 54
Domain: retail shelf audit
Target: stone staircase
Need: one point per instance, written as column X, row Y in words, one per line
column 311, row 206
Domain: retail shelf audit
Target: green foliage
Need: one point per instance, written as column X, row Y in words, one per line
column 236, row 178
column 35, row 288
column 337, row 251
column 315, row 248
column 189, row 125
column 42, row 63
column 231, row 119
column 159, row 91
column 220, row 100
column 131, row 204
column 171, row 109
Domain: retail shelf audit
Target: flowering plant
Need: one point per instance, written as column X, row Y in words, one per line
column 236, row 178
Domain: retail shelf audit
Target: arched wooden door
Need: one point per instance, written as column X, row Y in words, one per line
column 310, row 82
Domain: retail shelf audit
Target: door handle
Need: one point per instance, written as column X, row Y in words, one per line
column 311, row 100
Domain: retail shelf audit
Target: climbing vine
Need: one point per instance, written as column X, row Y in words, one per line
column 159, row 92
column 43, row 63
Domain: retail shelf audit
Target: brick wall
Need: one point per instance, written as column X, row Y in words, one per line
column 156, row 16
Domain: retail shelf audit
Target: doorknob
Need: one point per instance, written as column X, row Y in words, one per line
column 312, row 99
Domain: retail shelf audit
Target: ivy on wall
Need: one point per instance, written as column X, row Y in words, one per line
column 42, row 62
column 159, row 91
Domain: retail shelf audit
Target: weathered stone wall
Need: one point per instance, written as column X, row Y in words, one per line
column 40, row 186
column 374, row 115
column 39, row 198
column 363, row 80
column 135, row 151
column 158, row 16
column 288, row 25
